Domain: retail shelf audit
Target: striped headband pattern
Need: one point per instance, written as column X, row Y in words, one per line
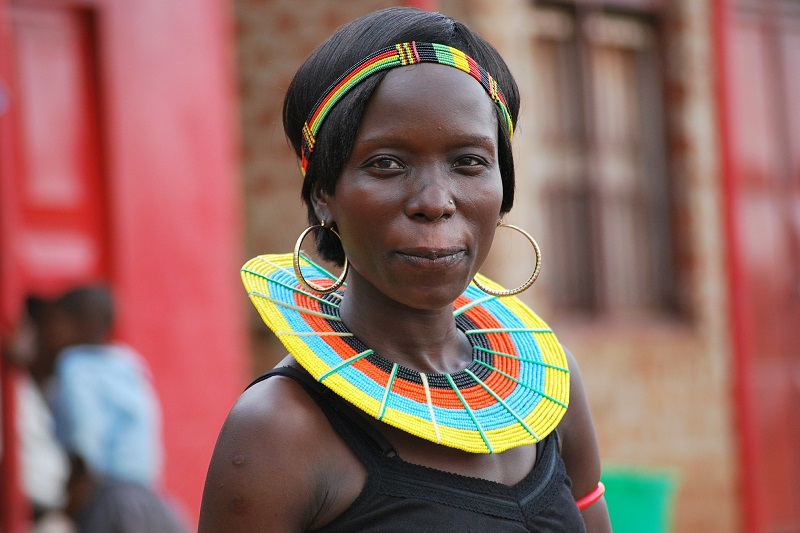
column 399, row 55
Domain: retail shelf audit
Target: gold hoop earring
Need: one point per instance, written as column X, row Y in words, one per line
column 296, row 262
column 531, row 279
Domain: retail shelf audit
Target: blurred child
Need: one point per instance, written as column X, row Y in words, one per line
column 43, row 462
column 105, row 408
column 100, row 504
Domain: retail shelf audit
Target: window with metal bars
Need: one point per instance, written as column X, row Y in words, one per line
column 604, row 167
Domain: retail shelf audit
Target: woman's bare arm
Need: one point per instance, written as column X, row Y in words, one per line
column 263, row 474
column 580, row 451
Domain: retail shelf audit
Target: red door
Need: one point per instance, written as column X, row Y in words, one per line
column 761, row 80
column 117, row 163
column 59, row 235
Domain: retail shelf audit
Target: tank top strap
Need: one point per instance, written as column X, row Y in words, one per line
column 351, row 426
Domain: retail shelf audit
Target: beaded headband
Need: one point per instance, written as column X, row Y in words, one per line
column 399, row 55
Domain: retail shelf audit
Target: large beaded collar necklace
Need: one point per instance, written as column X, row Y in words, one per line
column 513, row 393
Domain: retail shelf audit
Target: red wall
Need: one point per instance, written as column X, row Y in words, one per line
column 171, row 209
column 758, row 65
column 176, row 209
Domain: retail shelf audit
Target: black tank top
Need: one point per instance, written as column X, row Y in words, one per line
column 404, row 497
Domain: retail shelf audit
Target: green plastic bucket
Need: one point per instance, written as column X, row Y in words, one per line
column 639, row 501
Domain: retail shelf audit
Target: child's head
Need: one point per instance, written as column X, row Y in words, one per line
column 84, row 315
column 24, row 342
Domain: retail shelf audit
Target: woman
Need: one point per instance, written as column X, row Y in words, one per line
column 410, row 400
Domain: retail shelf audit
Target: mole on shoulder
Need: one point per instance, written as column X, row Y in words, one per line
column 238, row 460
column 239, row 504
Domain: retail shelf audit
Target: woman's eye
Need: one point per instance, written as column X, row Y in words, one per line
column 385, row 163
column 469, row 161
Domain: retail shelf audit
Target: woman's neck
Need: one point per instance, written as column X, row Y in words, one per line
column 425, row 340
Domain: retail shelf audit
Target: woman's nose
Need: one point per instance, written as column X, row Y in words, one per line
column 431, row 197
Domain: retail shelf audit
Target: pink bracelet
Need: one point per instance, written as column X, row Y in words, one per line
column 592, row 497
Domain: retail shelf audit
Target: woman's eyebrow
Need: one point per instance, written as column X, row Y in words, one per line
column 477, row 139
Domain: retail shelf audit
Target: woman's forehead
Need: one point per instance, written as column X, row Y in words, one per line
column 428, row 78
column 431, row 94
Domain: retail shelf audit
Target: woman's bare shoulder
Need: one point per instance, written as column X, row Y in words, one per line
column 268, row 466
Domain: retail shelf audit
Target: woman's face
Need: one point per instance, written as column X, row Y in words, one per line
column 418, row 201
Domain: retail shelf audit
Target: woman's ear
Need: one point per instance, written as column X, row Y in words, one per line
column 321, row 201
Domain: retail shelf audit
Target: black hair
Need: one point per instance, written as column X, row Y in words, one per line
column 349, row 45
column 91, row 308
column 35, row 308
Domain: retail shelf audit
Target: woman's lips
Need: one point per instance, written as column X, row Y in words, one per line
column 432, row 258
